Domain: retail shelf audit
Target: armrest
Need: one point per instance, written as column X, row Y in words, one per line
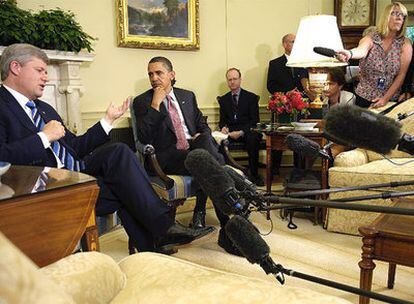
column 148, row 152
column 353, row 158
column 89, row 277
column 229, row 159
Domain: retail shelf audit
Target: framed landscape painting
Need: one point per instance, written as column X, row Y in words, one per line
column 158, row 24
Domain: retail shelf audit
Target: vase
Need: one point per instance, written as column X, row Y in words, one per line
column 284, row 118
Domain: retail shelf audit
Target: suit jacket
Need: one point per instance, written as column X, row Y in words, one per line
column 281, row 78
column 156, row 128
column 247, row 112
column 20, row 144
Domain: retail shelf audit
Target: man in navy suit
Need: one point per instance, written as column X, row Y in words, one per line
column 169, row 119
column 239, row 112
column 32, row 133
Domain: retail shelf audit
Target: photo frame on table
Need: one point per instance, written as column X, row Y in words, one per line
column 158, row 24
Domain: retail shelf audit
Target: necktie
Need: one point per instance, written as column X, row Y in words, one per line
column 60, row 151
column 182, row 143
column 41, row 182
column 235, row 106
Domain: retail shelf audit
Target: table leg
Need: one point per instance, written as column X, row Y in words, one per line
column 367, row 266
column 90, row 239
column 269, row 175
column 269, row 165
column 391, row 275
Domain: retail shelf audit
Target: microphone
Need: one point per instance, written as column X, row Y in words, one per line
column 402, row 116
column 246, row 238
column 354, row 126
column 247, row 190
column 324, row 51
column 214, row 181
column 305, row 146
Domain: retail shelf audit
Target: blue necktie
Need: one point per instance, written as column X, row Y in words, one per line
column 60, row 151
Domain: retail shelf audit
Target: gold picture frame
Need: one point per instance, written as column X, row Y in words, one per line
column 159, row 24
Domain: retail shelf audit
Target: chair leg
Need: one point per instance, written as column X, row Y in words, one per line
column 131, row 247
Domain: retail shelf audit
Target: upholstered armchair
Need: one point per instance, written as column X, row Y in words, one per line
column 362, row 167
column 173, row 189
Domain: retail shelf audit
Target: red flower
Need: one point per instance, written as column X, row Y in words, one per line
column 290, row 103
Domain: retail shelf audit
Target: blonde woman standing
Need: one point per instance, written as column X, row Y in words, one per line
column 384, row 57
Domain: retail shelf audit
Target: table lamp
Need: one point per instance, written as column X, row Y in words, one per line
column 316, row 31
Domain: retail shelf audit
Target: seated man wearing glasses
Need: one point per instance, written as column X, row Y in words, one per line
column 239, row 112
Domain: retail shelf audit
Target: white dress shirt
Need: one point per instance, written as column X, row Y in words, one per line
column 175, row 102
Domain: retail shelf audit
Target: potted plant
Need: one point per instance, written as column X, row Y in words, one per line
column 47, row 29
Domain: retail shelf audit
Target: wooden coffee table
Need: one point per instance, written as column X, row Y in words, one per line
column 275, row 141
column 47, row 222
column 389, row 238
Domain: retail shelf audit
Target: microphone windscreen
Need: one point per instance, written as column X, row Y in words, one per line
column 247, row 239
column 241, row 183
column 354, row 126
column 210, row 176
column 299, row 144
column 324, row 51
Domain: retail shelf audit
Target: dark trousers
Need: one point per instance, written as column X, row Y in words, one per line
column 175, row 165
column 126, row 188
column 252, row 143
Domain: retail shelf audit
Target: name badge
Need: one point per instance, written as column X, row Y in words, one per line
column 381, row 84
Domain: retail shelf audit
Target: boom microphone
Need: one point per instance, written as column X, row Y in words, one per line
column 246, row 188
column 246, row 238
column 362, row 128
column 299, row 144
column 324, row 51
column 214, row 181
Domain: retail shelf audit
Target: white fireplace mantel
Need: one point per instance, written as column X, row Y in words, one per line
column 64, row 89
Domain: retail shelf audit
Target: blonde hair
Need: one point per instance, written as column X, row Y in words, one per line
column 382, row 26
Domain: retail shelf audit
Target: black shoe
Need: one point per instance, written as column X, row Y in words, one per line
column 225, row 243
column 166, row 249
column 178, row 234
column 199, row 220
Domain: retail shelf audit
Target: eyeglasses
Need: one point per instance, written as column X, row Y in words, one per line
column 398, row 14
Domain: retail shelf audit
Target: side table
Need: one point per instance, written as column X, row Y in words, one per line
column 389, row 238
column 46, row 221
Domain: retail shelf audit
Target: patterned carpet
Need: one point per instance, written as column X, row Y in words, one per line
column 309, row 249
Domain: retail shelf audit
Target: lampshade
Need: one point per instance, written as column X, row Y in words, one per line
column 316, row 31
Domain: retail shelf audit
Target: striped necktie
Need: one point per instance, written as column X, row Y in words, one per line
column 182, row 143
column 60, row 151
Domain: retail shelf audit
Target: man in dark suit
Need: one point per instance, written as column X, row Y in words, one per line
column 239, row 112
column 169, row 119
column 32, row 133
column 281, row 78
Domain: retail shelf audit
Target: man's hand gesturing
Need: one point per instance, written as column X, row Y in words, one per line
column 54, row 130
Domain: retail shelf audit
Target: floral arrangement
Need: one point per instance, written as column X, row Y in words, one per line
column 291, row 103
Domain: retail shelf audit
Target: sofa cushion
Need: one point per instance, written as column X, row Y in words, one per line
column 89, row 277
column 375, row 172
column 21, row 282
column 379, row 171
column 155, row 278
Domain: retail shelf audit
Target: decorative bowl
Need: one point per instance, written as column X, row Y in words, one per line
column 304, row 125
column 4, row 166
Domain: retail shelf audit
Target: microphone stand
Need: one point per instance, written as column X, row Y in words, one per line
column 351, row 188
column 332, row 204
column 277, row 269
